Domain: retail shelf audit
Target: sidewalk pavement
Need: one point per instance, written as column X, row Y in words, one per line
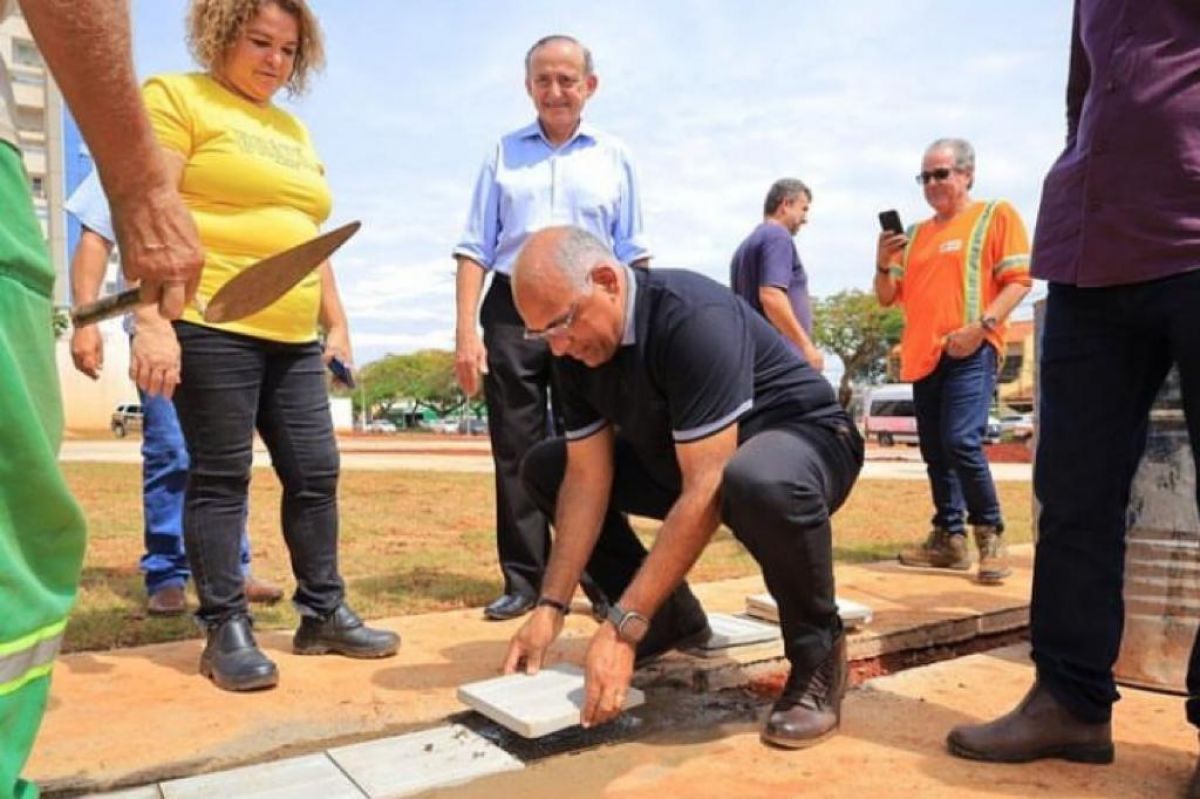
column 141, row 715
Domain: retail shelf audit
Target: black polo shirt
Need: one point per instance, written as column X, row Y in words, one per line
column 695, row 358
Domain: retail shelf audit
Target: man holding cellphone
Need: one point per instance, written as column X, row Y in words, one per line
column 957, row 275
column 766, row 270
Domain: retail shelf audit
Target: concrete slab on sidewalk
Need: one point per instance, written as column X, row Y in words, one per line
column 404, row 765
column 135, row 716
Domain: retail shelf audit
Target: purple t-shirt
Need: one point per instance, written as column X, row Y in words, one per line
column 768, row 257
column 1122, row 203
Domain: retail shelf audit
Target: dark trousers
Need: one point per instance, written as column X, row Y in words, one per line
column 231, row 386
column 778, row 493
column 1105, row 353
column 517, row 387
column 952, row 410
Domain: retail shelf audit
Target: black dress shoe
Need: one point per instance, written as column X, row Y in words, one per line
column 343, row 632
column 233, row 661
column 509, row 606
column 810, row 709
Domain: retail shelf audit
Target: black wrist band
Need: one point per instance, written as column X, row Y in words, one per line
column 547, row 602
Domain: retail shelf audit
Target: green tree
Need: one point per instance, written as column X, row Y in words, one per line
column 423, row 379
column 852, row 324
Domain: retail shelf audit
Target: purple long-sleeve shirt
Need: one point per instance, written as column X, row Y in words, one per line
column 1122, row 203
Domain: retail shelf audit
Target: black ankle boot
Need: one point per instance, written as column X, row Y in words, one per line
column 810, row 709
column 233, row 661
column 680, row 623
column 342, row 632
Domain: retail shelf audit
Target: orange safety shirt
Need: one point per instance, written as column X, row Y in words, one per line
column 950, row 272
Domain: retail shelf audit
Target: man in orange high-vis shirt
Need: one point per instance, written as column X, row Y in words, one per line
column 957, row 275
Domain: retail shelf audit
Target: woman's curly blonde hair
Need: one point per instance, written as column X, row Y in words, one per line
column 214, row 25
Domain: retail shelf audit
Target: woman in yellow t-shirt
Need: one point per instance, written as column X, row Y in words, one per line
column 250, row 176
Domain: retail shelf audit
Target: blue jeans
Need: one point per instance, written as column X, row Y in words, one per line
column 232, row 385
column 1105, row 353
column 164, row 478
column 952, row 411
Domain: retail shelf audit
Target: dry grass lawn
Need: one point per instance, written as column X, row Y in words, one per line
column 413, row 542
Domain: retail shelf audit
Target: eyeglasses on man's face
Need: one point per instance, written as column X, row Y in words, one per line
column 939, row 174
column 558, row 327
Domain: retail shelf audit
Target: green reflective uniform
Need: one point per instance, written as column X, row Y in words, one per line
column 41, row 527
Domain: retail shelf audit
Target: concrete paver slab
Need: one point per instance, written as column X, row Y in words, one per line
column 533, row 706
column 730, row 631
column 309, row 777
column 854, row 614
column 407, row 764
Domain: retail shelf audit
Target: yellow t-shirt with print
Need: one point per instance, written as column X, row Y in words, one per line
column 255, row 187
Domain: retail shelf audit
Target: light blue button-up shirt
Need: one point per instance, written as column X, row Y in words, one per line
column 526, row 185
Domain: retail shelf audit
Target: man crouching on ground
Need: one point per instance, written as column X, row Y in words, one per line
column 684, row 405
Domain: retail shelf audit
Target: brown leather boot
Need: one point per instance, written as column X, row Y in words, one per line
column 168, row 601
column 993, row 555
column 261, row 592
column 810, row 710
column 941, row 550
column 1037, row 728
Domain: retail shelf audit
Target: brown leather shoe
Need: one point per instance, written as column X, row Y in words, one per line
column 993, row 555
column 168, row 601
column 262, row 592
column 941, row 550
column 809, row 711
column 1037, row 728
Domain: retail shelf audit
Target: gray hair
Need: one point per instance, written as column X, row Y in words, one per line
column 576, row 253
column 783, row 190
column 964, row 154
column 588, row 65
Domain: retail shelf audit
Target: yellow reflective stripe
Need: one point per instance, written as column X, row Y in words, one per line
column 972, row 263
column 26, row 641
column 29, row 657
column 1011, row 262
column 26, row 678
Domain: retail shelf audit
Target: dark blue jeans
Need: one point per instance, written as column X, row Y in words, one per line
column 952, row 411
column 1105, row 353
column 164, row 479
column 231, row 386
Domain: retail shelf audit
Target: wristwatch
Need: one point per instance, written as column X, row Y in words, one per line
column 631, row 625
column 989, row 323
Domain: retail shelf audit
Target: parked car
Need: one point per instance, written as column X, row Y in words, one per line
column 381, row 426
column 991, row 434
column 1017, row 425
column 447, row 425
column 473, row 427
column 126, row 418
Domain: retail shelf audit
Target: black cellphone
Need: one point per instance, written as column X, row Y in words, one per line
column 341, row 373
column 890, row 221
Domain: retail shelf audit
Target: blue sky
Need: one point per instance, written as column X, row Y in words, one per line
column 716, row 100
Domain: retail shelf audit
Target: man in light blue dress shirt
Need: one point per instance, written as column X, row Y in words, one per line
column 555, row 171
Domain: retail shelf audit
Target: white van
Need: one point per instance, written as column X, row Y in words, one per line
column 889, row 415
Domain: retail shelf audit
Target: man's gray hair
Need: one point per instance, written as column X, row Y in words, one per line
column 783, row 190
column 588, row 65
column 576, row 253
column 964, row 153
